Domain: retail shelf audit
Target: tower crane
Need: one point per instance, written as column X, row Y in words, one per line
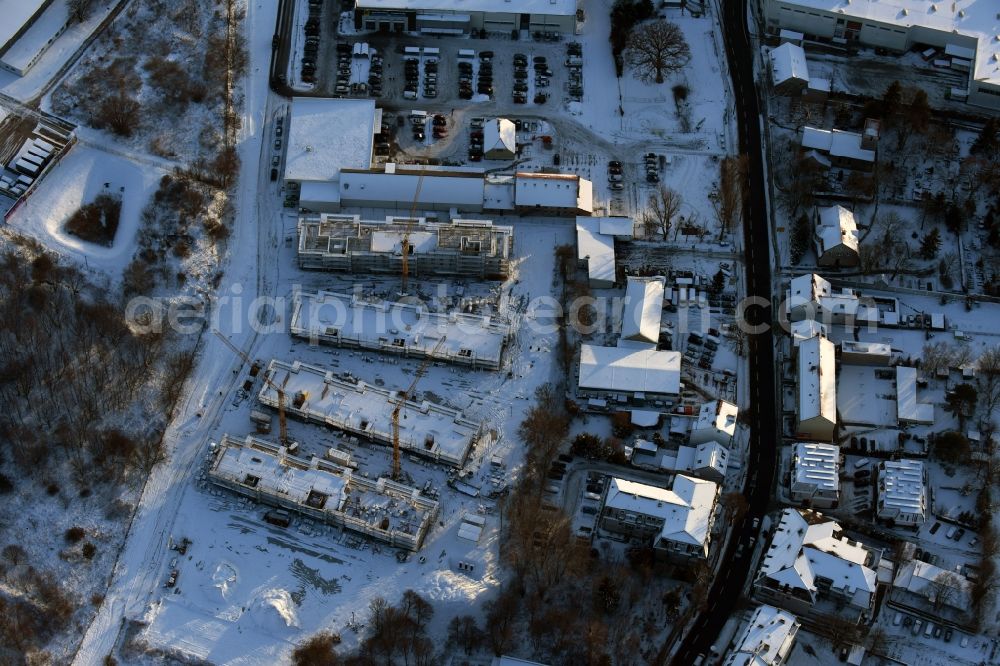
column 405, row 243
column 282, row 423
column 401, row 400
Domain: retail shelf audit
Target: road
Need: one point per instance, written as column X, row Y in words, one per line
column 733, row 571
column 142, row 562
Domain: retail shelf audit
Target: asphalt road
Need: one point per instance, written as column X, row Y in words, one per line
column 733, row 571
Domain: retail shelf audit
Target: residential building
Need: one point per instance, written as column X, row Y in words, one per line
column 28, row 30
column 836, row 236
column 427, row 429
column 902, row 493
column 553, row 194
column 838, row 148
column 346, row 243
column 628, row 377
column 382, row 509
column 716, row 422
column 676, row 521
column 789, row 70
column 816, row 405
column 962, row 32
column 448, row 18
column 805, row 329
column 854, row 352
column 499, row 139
column 815, row 479
column 595, row 252
column 935, row 594
column 813, row 570
column 706, row 461
column 766, row 640
column 642, row 311
column 811, row 296
column 405, row 329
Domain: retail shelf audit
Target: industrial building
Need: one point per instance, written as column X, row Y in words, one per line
column 595, row 252
column 902, row 493
column 642, row 311
column 405, row 329
column 464, row 17
column 963, row 32
column 813, row 570
column 815, row 479
column 628, row 377
column 676, row 521
column 324, row 491
column 552, row 194
column 767, row 639
column 346, row 243
column 426, row 429
column 28, row 30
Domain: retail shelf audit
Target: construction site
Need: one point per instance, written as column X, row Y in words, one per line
column 384, row 416
column 471, row 248
column 393, row 327
column 382, row 509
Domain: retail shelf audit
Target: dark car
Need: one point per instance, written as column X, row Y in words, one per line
column 274, row 175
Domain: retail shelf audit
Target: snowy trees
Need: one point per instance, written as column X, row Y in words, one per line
column 731, row 193
column 657, row 49
column 930, row 244
column 79, row 10
column 663, row 207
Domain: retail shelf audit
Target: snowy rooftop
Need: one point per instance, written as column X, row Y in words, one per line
column 806, row 545
column 928, row 581
column 805, row 329
column 863, row 398
column 546, row 190
column 816, row 465
column 327, row 135
column 902, row 488
column 550, row 7
column 710, row 455
column 788, row 61
column 881, row 350
column 643, row 309
column 717, row 419
column 399, row 327
column 617, row 226
column 17, row 13
column 597, row 248
column 686, row 508
column 499, row 134
column 630, row 370
column 837, row 143
column 908, row 409
column 464, row 190
column 808, row 288
column 817, row 380
column 837, row 227
column 976, row 19
column 426, row 429
column 38, row 37
column 767, row 638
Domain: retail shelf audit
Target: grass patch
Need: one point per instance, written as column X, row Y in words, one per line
column 97, row 221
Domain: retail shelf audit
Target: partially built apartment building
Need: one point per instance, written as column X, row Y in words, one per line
column 394, row 327
column 381, row 509
column 437, row 432
column 346, row 243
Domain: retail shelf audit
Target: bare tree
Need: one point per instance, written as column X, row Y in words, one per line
column 989, row 379
column 663, row 208
column 943, row 589
column 656, row 50
column 79, row 10
column 728, row 198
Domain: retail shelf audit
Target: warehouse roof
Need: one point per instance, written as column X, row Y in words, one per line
column 630, row 370
column 547, row 190
column 550, row 7
column 16, row 13
column 327, row 135
column 596, row 248
column 467, row 192
column 643, row 309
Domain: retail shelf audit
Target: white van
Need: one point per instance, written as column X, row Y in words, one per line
column 466, row 54
column 412, row 50
column 863, row 462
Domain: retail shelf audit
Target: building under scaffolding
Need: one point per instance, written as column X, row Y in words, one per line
column 381, row 509
column 426, row 429
column 473, row 248
column 400, row 328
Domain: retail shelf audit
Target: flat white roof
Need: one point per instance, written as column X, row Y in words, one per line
column 977, row 20
column 717, row 418
column 630, row 370
column 643, row 309
column 880, row 349
column 36, row 39
column 463, row 191
column 686, row 508
column 546, row 190
column 908, row 409
column 788, row 61
column 767, row 638
column 327, row 135
column 16, row 13
column 865, row 399
column 837, row 143
column 426, row 428
column 816, row 465
column 617, row 226
column 597, row 248
column 817, row 380
column 542, row 7
column 901, row 487
column 399, row 327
